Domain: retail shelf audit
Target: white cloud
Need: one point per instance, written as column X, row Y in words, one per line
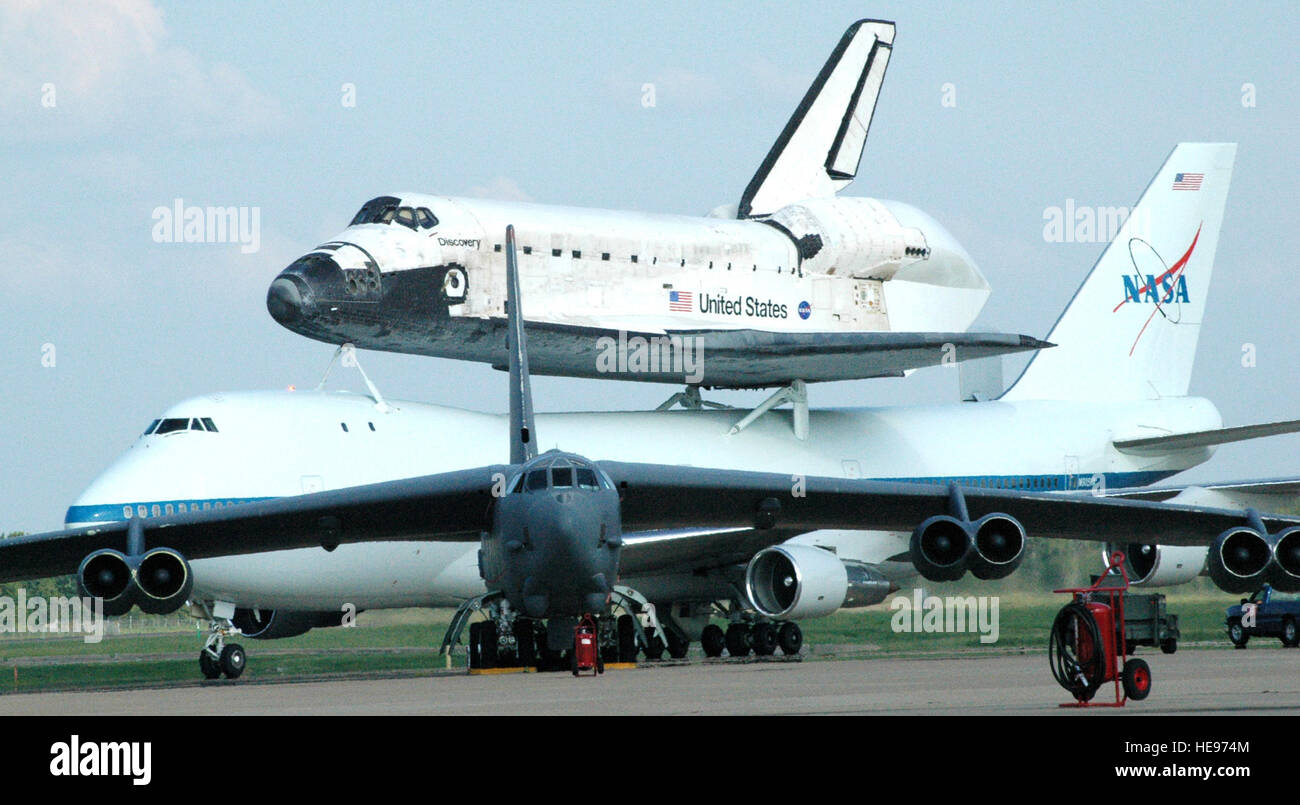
column 114, row 69
column 501, row 189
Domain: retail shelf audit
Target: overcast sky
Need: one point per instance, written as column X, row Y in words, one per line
column 110, row 110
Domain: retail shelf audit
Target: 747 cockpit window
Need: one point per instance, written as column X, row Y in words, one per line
column 175, row 425
column 171, row 426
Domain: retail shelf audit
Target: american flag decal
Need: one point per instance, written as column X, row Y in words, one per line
column 1188, row 181
column 680, row 301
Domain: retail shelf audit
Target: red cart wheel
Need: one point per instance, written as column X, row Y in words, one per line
column 1137, row 679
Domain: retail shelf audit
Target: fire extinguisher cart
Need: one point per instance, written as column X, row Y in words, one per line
column 586, row 648
column 1089, row 644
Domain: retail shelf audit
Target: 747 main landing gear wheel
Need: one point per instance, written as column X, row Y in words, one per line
column 790, row 638
column 763, row 639
column 738, row 644
column 712, row 640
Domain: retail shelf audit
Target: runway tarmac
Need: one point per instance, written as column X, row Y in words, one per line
column 1206, row 681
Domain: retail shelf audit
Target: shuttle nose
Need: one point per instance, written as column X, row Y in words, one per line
column 293, row 296
column 284, row 300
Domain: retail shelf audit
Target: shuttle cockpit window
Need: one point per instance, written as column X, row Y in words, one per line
column 406, row 217
column 389, row 209
column 377, row 211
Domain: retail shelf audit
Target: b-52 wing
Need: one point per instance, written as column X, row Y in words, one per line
column 763, row 508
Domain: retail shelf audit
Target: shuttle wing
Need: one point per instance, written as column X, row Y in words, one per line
column 819, row 150
column 756, row 358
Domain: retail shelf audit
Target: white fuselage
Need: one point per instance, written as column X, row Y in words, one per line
column 876, row 265
column 274, row 444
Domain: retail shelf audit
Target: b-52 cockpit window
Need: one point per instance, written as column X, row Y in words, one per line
column 536, row 480
column 562, row 476
column 587, row 477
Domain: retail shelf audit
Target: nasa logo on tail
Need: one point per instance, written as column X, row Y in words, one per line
column 1167, row 289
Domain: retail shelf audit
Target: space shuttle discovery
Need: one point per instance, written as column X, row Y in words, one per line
column 792, row 284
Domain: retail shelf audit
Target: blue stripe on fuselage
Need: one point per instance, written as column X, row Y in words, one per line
column 115, row 512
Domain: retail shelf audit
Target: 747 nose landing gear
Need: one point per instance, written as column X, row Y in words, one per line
column 219, row 657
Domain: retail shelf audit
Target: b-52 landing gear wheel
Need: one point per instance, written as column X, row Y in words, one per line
column 654, row 649
column 712, row 640
column 677, row 647
column 626, row 639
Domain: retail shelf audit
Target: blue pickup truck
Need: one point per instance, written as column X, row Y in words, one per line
column 1275, row 615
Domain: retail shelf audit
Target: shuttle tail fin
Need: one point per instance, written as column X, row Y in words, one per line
column 818, row 152
column 1130, row 331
